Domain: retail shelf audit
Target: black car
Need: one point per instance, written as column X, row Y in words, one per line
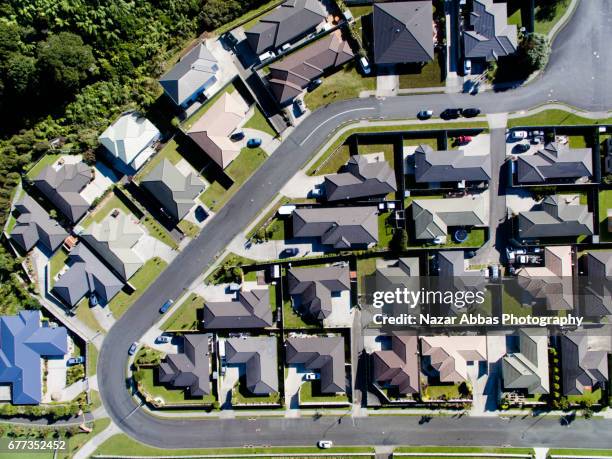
column 470, row 112
column 451, row 114
column 236, row 136
column 521, row 148
column 424, row 114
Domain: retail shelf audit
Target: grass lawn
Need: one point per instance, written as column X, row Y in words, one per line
column 186, row 316
column 548, row 13
column 92, row 356
column 428, row 76
column 387, row 149
column 85, row 315
column 247, row 162
column 447, row 391
column 555, row 117
column 476, row 238
column 310, row 392
column 268, row 217
column 580, row 452
column 120, row 443
column 241, row 396
column 365, row 267
column 258, row 121
column 188, row 228
column 272, row 290
column 360, row 10
column 346, row 83
column 231, row 260
column 292, row 319
column 333, row 162
column 511, row 305
column 605, row 203
column 169, row 396
column 186, row 125
column 157, row 231
column 247, row 20
column 57, row 262
column 169, row 152
column 101, row 212
column 431, row 141
column 141, row 280
column 77, row 441
column 577, row 141
column 43, row 162
column 385, row 231
column 593, row 397
column 462, row 449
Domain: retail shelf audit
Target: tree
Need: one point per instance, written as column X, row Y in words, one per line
column 65, row 61
column 536, row 50
column 21, row 75
column 399, row 243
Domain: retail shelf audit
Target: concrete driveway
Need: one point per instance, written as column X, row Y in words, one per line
column 301, row 185
column 292, row 387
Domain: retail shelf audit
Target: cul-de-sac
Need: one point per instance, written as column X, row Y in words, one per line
column 306, row 228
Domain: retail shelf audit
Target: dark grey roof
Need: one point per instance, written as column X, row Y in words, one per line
column 555, row 217
column 250, row 310
column 450, row 166
column 362, row 179
column 63, row 187
column 582, row 366
column 288, row 77
column 259, row 355
column 528, row 368
column 403, row 32
column 432, row 217
column 398, row 366
column 555, row 161
column 399, row 273
column 342, row 227
column 315, row 287
column 452, row 271
column 34, row 225
column 191, row 368
column 86, row 275
column 175, row 191
column 292, row 20
column 323, row 354
column 488, row 34
column 194, row 70
column 598, row 294
column 608, row 157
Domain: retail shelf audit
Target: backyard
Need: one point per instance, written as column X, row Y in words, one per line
column 291, row 319
column 605, row 204
column 186, row 125
column 169, row 152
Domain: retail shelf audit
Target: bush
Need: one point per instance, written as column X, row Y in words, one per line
column 536, row 50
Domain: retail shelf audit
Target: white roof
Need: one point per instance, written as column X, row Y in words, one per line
column 127, row 137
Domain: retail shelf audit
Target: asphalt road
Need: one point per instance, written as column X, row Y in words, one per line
column 568, row 78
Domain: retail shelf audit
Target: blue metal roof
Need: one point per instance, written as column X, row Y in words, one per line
column 22, row 343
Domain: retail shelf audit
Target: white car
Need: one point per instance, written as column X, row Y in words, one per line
column 467, row 66
column 325, row 444
column 365, row 65
column 265, row 56
column 519, row 134
column 312, row 376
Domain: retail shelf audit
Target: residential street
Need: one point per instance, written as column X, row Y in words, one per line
column 580, row 55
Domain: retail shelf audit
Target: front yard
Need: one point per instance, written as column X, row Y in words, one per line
column 310, row 392
column 428, row 76
column 150, row 386
column 186, row 316
column 445, row 392
column 140, row 281
column 555, row 117
column 242, row 396
column 258, row 121
column 588, row 398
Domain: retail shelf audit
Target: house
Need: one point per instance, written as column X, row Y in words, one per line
column 258, row 354
column 189, row 369
column 86, row 275
column 550, row 284
column 62, row 186
column 527, row 368
column 453, row 273
column 555, row 162
column 598, row 288
column 317, row 290
column 556, row 216
column 487, row 34
column 23, row 342
column 364, row 178
column 433, row 217
column 289, row 22
column 175, row 191
column 432, row 166
column 403, row 32
column 251, row 309
column 450, row 355
column 129, row 140
column 340, row 227
column 191, row 76
column 212, row 131
column 114, row 239
column 324, row 355
column 584, row 362
column 398, row 367
column 290, row 76
column 33, row 225
column 396, row 273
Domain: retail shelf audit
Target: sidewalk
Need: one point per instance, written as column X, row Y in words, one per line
column 92, row 445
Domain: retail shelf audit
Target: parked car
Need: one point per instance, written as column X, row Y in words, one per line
column 312, row 376
column 424, row 114
column 463, row 139
column 200, row 214
column 519, row 134
column 520, row 148
column 467, row 66
column 166, row 306
column 325, row 444
column 163, row 339
column 75, row 360
column 266, row 56
column 291, row 251
column 285, row 47
column 93, row 300
column 236, row 136
column 314, row 84
column 298, row 107
column 132, row 349
column 254, row 142
column 470, row 112
column 365, row 65
column 451, row 114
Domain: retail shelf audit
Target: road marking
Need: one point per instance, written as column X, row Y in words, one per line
column 329, row 119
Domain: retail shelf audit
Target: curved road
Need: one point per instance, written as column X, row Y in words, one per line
column 577, row 74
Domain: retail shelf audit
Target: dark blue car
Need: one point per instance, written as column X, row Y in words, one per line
column 254, row 142
column 166, row 306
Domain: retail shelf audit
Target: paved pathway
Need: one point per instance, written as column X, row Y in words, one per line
column 541, row 453
column 92, row 445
